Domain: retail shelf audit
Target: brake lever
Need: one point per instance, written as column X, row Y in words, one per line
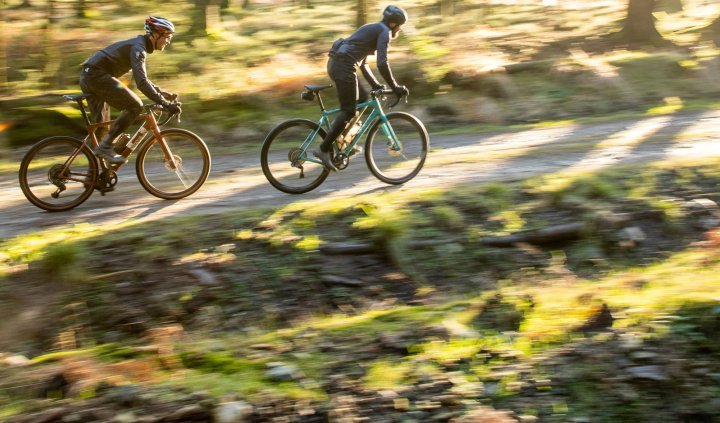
column 397, row 101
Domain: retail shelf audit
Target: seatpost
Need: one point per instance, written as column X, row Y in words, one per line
column 82, row 110
column 322, row 105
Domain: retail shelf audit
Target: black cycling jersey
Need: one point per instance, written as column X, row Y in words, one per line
column 118, row 58
column 368, row 39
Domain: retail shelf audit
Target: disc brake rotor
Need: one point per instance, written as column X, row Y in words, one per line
column 394, row 150
column 178, row 163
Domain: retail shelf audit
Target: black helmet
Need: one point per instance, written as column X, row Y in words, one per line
column 395, row 14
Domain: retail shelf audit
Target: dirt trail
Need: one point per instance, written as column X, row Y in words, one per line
column 237, row 182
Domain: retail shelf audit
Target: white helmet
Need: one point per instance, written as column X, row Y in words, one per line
column 156, row 23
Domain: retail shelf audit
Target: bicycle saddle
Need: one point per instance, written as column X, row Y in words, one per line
column 317, row 88
column 76, row 97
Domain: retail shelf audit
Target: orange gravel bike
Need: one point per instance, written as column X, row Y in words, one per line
column 61, row 172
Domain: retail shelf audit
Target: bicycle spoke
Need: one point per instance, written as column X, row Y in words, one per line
column 191, row 166
column 286, row 159
column 50, row 182
column 395, row 151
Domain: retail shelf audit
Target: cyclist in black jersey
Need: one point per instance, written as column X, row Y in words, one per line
column 349, row 54
column 99, row 78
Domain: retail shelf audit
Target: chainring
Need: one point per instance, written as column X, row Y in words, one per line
column 106, row 181
column 341, row 161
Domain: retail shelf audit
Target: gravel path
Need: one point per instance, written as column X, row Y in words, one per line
column 237, row 182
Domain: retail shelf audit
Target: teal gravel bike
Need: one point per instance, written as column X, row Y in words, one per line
column 396, row 144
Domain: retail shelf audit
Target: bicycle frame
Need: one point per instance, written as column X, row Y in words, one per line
column 376, row 113
column 149, row 126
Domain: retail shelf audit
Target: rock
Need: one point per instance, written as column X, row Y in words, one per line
column 644, row 355
column 648, row 372
column 126, row 396
column 487, row 110
column 402, row 404
column 232, row 412
column 485, row 414
column 14, row 361
column 600, row 318
column 705, row 223
column 128, row 417
column 630, row 341
column 387, row 393
column 701, row 206
column 282, row 372
column 265, row 347
column 189, row 413
column 630, row 237
column 204, row 276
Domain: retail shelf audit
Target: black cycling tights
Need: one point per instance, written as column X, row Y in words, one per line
column 122, row 123
column 344, row 73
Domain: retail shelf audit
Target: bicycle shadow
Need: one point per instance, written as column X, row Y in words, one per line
column 496, row 157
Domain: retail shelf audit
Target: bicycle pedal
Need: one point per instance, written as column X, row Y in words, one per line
column 105, row 190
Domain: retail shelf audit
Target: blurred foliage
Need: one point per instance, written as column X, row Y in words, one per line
column 493, row 310
column 476, row 62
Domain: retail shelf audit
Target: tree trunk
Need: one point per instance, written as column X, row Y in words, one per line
column 198, row 27
column 639, row 27
column 52, row 70
column 80, row 9
column 447, row 7
column 362, row 12
column 4, row 87
column 712, row 31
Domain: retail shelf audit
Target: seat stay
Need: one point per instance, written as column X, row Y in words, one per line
column 311, row 138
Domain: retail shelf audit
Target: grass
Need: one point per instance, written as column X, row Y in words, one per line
column 482, row 310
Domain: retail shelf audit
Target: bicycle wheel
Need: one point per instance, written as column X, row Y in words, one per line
column 396, row 164
column 283, row 161
column 157, row 174
column 48, row 183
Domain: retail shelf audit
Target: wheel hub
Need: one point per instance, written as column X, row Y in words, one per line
column 54, row 174
column 394, row 151
column 294, row 155
column 178, row 163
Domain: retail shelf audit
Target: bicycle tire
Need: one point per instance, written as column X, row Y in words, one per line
column 155, row 173
column 397, row 166
column 281, row 145
column 41, row 176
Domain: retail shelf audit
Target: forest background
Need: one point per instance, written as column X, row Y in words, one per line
column 468, row 302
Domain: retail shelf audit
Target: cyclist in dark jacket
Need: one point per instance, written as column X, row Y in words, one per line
column 346, row 57
column 99, row 78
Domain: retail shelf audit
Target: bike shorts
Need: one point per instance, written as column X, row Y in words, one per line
column 104, row 88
